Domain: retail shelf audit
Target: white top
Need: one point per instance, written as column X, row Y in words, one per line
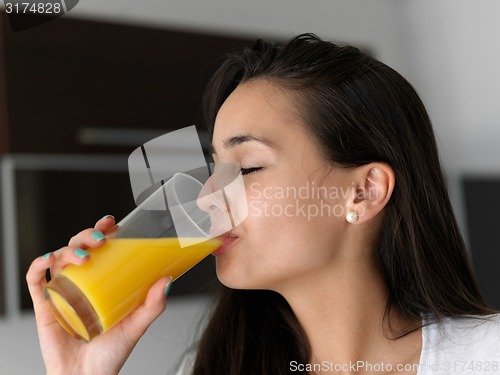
column 186, row 366
column 462, row 346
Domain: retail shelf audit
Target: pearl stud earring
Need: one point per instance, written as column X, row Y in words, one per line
column 351, row 217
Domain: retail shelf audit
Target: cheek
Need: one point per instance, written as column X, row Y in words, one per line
column 284, row 236
column 289, row 211
column 296, row 217
column 268, row 204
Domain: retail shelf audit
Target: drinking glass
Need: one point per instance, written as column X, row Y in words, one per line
column 176, row 227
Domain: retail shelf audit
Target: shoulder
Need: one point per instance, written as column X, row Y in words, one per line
column 469, row 333
column 186, row 366
column 462, row 342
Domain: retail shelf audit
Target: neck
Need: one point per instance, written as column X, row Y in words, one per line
column 341, row 308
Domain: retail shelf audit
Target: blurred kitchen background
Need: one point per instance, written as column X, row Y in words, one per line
column 78, row 94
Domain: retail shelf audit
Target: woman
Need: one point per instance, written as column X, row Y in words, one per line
column 350, row 259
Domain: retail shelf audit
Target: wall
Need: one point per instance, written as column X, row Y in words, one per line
column 453, row 51
column 453, row 56
column 448, row 49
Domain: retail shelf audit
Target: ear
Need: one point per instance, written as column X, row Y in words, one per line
column 373, row 189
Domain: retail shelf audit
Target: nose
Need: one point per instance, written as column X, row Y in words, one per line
column 223, row 196
column 210, row 200
column 212, row 195
column 215, row 204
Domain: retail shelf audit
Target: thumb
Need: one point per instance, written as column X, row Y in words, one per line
column 137, row 323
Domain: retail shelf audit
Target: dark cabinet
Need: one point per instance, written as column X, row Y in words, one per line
column 74, row 86
column 68, row 76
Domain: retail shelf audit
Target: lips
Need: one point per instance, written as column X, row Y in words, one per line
column 229, row 238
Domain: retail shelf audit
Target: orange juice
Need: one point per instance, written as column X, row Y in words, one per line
column 91, row 298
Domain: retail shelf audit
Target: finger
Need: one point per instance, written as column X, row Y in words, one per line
column 138, row 322
column 106, row 224
column 68, row 255
column 55, row 261
column 89, row 237
column 35, row 278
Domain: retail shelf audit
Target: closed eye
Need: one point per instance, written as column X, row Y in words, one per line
column 245, row 171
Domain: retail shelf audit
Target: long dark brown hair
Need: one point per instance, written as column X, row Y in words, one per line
column 359, row 111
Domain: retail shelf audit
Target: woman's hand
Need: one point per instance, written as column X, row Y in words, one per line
column 106, row 353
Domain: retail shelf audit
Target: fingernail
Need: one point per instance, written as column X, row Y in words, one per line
column 80, row 253
column 47, row 255
column 168, row 287
column 106, row 216
column 98, row 236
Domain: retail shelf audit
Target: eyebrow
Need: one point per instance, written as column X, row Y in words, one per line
column 240, row 139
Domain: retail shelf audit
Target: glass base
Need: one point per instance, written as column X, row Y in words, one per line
column 72, row 309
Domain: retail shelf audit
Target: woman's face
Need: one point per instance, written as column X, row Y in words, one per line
column 296, row 202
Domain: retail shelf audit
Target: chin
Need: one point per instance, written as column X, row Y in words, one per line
column 235, row 279
column 232, row 277
column 231, row 281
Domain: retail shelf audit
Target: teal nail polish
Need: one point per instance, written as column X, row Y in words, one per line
column 98, row 236
column 80, row 253
column 168, row 287
column 106, row 216
column 46, row 255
